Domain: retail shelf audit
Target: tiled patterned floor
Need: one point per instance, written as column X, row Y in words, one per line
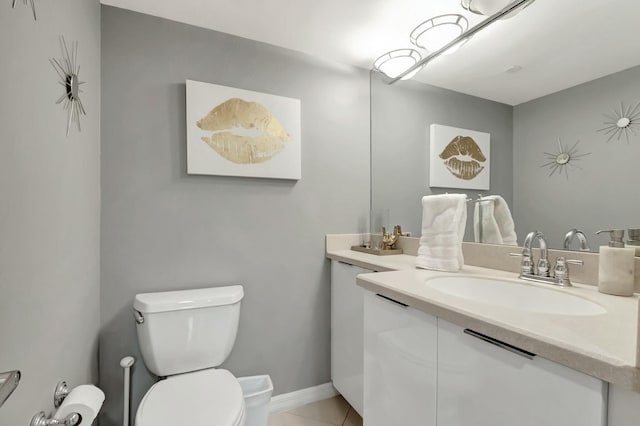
column 329, row 412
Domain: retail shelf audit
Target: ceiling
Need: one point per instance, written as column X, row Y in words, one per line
column 556, row 43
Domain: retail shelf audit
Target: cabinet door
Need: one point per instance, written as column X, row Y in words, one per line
column 399, row 364
column 481, row 384
column 624, row 407
column 347, row 319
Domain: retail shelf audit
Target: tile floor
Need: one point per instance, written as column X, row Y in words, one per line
column 329, row 412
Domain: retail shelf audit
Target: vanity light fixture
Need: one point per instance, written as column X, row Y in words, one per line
column 623, row 121
column 464, row 36
column 435, row 33
column 394, row 63
column 490, row 7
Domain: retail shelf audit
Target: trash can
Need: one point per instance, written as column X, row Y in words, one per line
column 257, row 392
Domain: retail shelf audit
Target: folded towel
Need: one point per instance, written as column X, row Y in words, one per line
column 444, row 218
column 497, row 222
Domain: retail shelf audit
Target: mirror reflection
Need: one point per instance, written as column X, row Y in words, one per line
column 563, row 149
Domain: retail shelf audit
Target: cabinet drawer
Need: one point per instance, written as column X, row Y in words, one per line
column 482, row 384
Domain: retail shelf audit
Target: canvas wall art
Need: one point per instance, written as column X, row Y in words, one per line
column 236, row 132
column 459, row 158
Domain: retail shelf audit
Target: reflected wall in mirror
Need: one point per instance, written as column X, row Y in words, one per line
column 604, row 192
column 601, row 194
column 401, row 115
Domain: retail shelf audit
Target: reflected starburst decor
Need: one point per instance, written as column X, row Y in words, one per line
column 623, row 121
column 563, row 158
column 26, row 2
column 68, row 70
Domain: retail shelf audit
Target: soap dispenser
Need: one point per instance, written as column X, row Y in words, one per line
column 616, row 267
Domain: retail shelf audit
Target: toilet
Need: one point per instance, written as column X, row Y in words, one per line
column 183, row 336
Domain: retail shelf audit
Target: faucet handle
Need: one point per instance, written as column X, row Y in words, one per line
column 526, row 264
column 561, row 270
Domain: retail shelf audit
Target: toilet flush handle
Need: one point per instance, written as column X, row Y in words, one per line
column 138, row 317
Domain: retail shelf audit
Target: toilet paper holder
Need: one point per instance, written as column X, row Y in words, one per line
column 59, row 394
column 41, row 419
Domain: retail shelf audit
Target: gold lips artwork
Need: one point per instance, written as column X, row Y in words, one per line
column 463, row 168
column 243, row 149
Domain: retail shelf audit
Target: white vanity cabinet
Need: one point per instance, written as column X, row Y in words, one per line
column 347, row 332
column 481, row 384
column 399, row 363
column 624, row 407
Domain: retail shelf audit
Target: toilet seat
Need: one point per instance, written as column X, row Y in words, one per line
column 203, row 398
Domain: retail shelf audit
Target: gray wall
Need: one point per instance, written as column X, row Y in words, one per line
column 165, row 230
column 400, row 118
column 604, row 193
column 49, row 206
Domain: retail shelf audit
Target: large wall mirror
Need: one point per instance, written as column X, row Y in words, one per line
column 557, row 87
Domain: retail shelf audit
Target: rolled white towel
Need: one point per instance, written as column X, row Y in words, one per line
column 444, row 218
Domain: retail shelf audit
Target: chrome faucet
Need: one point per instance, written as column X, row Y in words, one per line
column 582, row 239
column 541, row 272
column 542, row 269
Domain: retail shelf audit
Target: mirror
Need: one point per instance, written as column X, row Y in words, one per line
column 562, row 110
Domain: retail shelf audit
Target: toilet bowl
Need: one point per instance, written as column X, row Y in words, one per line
column 204, row 398
column 183, row 336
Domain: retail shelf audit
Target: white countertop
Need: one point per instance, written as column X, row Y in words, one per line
column 604, row 345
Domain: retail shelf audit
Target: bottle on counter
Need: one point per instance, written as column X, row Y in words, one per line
column 634, row 240
column 616, row 266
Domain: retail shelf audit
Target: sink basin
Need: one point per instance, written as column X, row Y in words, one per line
column 514, row 295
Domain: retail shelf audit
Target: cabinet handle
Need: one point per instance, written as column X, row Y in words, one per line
column 388, row 299
column 498, row 343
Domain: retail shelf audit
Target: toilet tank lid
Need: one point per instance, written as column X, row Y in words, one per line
column 165, row 301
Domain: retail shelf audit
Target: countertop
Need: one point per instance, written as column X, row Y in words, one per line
column 604, row 345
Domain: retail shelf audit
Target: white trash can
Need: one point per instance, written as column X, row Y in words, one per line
column 257, row 392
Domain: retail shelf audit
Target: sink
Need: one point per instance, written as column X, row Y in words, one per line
column 514, row 295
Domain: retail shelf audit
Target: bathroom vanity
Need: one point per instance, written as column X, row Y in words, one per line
column 436, row 353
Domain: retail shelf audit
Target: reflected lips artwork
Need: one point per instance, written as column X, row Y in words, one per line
column 459, row 158
column 463, row 157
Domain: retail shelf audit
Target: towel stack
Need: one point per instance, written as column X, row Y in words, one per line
column 444, row 218
column 497, row 222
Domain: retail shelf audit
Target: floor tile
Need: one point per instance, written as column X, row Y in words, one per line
column 353, row 418
column 288, row 419
column 332, row 410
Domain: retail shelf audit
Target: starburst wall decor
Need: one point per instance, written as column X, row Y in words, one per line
column 68, row 70
column 623, row 121
column 563, row 158
column 26, row 2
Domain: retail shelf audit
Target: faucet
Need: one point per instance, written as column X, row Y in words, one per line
column 541, row 272
column 582, row 239
column 527, row 255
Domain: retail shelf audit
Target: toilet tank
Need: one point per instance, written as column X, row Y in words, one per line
column 188, row 330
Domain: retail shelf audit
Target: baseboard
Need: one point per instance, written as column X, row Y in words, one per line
column 291, row 400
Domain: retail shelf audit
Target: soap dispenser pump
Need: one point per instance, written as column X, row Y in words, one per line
column 616, row 266
column 617, row 237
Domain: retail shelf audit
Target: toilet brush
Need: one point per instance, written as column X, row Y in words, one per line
column 126, row 363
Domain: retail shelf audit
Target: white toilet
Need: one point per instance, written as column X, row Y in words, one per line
column 183, row 335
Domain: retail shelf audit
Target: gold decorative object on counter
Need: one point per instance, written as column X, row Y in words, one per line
column 388, row 241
